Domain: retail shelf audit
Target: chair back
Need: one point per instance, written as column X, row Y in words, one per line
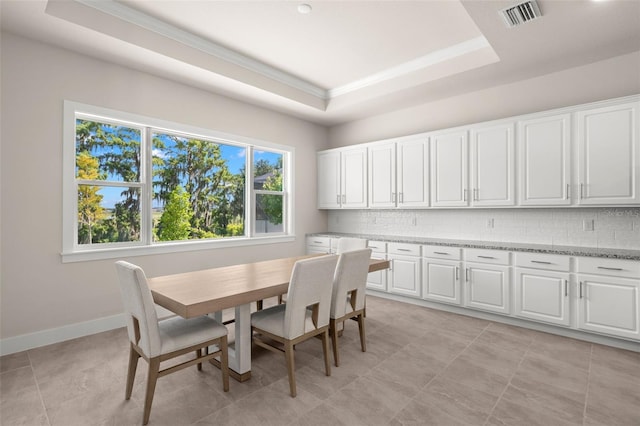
column 350, row 244
column 349, row 285
column 310, row 285
column 142, row 319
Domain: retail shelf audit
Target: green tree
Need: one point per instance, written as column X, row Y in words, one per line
column 117, row 149
column 90, row 210
column 272, row 204
column 175, row 220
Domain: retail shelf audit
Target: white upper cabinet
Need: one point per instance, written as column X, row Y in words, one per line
column 608, row 154
column 413, row 172
column 398, row 174
column 492, row 166
column 342, row 178
column 449, row 169
column 382, row 175
column 328, row 185
column 544, row 146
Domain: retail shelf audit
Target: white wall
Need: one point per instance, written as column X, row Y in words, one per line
column 39, row 292
column 613, row 227
column 612, row 78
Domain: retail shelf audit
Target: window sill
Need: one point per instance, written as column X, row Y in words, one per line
column 175, row 247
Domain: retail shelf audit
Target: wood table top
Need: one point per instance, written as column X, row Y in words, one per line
column 196, row 293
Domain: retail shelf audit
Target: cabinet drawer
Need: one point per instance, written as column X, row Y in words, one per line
column 377, row 246
column 497, row 257
column 550, row 262
column 442, row 252
column 319, row 242
column 404, row 249
column 611, row 267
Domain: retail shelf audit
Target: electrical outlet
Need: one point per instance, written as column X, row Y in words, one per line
column 588, row 225
column 489, row 223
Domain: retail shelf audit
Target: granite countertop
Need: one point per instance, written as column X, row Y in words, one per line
column 611, row 253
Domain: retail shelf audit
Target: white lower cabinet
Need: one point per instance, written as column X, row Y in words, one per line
column 319, row 245
column 404, row 274
column 541, row 288
column 542, row 296
column 441, row 268
column 487, row 285
column 610, row 303
column 377, row 280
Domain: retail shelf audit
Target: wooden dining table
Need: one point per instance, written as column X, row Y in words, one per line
column 209, row 291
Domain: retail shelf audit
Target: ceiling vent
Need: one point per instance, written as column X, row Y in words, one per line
column 520, row 13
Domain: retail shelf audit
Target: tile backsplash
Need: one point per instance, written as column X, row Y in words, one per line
column 584, row 227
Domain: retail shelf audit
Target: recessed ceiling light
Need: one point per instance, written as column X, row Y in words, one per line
column 304, row 8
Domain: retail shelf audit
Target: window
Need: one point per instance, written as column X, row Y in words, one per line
column 135, row 184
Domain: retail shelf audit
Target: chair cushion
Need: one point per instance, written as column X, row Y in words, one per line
column 271, row 320
column 179, row 333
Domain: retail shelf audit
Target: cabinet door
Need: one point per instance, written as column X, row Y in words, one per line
column 413, row 173
column 492, row 166
column 449, row 169
column 329, row 180
column 404, row 275
column 377, row 280
column 354, row 178
column 441, row 281
column 609, row 155
column 609, row 305
column 487, row 287
column 544, row 166
column 382, row 175
column 542, row 296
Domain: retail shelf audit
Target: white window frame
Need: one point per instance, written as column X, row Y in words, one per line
column 74, row 252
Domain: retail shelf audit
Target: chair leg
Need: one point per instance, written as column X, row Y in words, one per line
column 288, row 353
column 198, row 355
column 280, row 300
column 131, row 373
column 363, row 343
column 325, row 349
column 334, row 341
column 224, row 363
column 259, row 304
column 154, row 369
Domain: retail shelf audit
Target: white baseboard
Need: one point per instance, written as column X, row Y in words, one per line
column 55, row 335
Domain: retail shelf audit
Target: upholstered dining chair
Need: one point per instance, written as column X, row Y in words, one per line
column 344, row 244
column 350, row 244
column 157, row 341
column 305, row 315
column 348, row 297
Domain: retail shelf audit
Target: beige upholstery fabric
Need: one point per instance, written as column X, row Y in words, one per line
column 311, row 282
column 158, row 338
column 349, row 244
column 351, row 274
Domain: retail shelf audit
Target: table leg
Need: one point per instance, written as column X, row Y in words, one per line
column 240, row 354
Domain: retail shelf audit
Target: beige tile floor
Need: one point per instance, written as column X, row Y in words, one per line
column 422, row 367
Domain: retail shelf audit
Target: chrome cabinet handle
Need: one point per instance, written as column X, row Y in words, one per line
column 610, row 269
column 464, row 195
column 566, row 288
column 401, row 197
column 475, row 194
column 393, row 197
column 566, row 195
column 486, row 257
column 440, row 252
column 457, row 273
column 580, row 288
column 401, row 249
column 581, row 191
column 541, row 262
column 466, row 274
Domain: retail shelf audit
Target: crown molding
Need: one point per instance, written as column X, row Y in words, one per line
column 142, row 20
column 414, row 65
column 150, row 23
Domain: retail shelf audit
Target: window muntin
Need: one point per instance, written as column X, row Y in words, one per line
column 124, row 169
